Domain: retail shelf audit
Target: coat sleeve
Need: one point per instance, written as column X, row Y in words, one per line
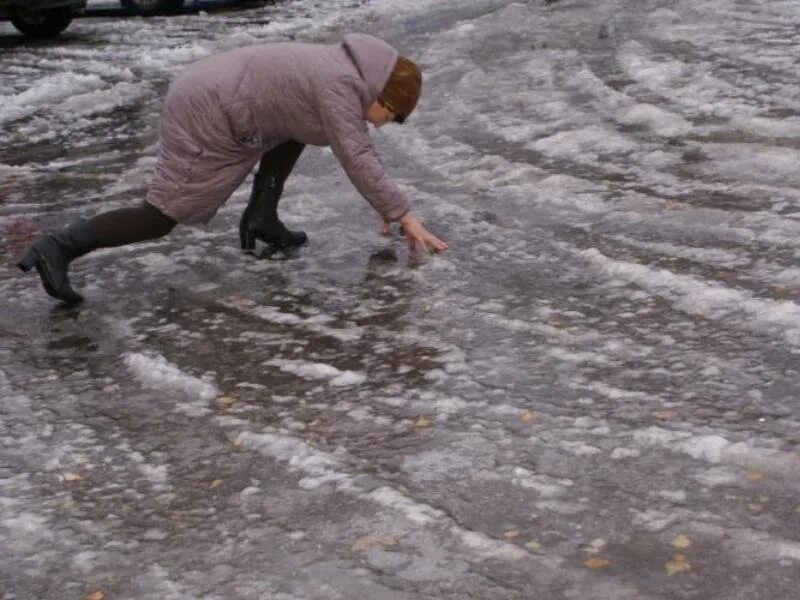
column 346, row 130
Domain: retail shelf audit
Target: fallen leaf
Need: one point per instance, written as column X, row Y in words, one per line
column 597, row 563
column 368, row 542
column 678, row 564
column 681, row 542
column 664, row 414
column 216, row 483
column 755, row 475
column 763, row 499
column 510, row 535
column 226, row 401
column 239, row 441
column 98, row 595
column 423, row 422
column 528, row 416
column 313, row 423
column 533, row 545
column 72, row 477
column 779, row 291
column 66, row 504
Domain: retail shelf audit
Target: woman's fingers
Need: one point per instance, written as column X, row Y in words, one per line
column 437, row 244
column 416, row 234
column 427, row 242
column 431, row 241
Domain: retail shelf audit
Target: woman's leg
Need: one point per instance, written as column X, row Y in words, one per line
column 128, row 225
column 260, row 218
column 52, row 252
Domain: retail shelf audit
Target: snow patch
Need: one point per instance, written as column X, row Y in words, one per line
column 659, row 121
column 716, row 449
column 315, row 323
column 711, row 301
column 46, row 92
column 586, row 145
column 156, row 372
column 546, row 486
column 622, row 453
column 314, row 370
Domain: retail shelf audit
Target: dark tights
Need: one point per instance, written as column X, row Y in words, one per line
column 127, row 225
column 280, row 161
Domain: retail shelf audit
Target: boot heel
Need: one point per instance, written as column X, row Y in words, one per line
column 247, row 240
column 28, row 261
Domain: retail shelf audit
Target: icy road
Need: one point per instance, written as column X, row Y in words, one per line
column 592, row 395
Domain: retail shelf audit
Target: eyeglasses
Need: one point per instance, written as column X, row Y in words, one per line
column 398, row 118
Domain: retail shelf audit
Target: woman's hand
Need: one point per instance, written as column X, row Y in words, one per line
column 416, row 234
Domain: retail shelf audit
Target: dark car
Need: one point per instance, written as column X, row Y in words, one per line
column 153, row 5
column 40, row 18
column 158, row 6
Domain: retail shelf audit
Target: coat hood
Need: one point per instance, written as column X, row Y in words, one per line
column 373, row 58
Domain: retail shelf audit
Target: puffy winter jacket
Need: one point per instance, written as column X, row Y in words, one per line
column 224, row 111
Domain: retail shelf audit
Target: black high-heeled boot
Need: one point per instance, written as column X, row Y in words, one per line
column 51, row 254
column 260, row 219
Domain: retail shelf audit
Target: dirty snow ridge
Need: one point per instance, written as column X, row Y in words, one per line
column 157, row 372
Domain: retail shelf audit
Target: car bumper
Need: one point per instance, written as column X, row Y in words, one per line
column 19, row 6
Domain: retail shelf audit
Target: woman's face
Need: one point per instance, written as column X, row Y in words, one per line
column 379, row 115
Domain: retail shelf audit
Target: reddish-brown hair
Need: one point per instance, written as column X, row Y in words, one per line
column 401, row 92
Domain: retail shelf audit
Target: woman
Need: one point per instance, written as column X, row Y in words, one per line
column 227, row 111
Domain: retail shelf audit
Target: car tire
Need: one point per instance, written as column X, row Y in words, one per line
column 43, row 24
column 149, row 6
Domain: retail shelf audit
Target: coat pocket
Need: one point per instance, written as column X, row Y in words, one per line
column 242, row 125
column 179, row 158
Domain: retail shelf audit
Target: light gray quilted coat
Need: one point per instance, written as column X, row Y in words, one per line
column 223, row 112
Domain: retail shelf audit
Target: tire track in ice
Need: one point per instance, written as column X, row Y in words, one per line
column 318, row 468
column 695, row 296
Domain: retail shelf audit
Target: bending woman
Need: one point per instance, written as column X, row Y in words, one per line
column 227, row 112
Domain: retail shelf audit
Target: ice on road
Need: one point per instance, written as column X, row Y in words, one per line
column 592, row 395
